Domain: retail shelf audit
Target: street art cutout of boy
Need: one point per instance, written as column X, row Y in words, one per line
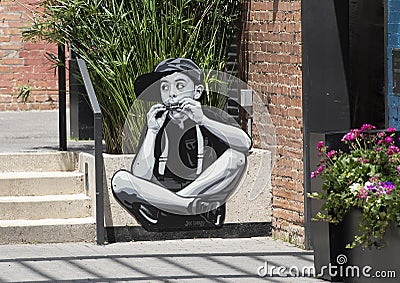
column 190, row 159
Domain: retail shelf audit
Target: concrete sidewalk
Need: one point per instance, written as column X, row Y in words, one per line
column 34, row 131
column 197, row 260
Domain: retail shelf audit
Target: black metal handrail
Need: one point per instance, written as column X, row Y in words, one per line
column 98, row 150
column 62, row 100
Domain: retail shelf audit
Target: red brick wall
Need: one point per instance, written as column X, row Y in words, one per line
column 272, row 51
column 24, row 63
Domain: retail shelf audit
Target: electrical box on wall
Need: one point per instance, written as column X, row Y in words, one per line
column 396, row 71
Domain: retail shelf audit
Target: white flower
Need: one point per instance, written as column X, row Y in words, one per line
column 368, row 184
column 355, row 187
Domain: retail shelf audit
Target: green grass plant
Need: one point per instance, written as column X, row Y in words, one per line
column 121, row 40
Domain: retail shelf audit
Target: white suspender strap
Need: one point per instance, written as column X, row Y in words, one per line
column 200, row 150
column 164, row 155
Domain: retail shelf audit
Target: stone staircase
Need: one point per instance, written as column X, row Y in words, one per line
column 44, row 199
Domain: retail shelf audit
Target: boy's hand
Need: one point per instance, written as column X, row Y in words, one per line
column 192, row 108
column 154, row 123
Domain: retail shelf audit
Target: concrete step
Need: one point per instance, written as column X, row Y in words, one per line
column 41, row 183
column 38, row 161
column 42, row 207
column 47, row 230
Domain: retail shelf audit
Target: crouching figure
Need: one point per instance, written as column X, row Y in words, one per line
column 190, row 158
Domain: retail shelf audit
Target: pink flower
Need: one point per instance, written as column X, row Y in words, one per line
column 321, row 168
column 392, row 150
column 320, row 145
column 367, row 127
column 363, row 193
column 317, row 172
column 331, row 153
column 398, row 169
column 378, row 149
column 388, row 140
column 352, row 135
column 391, row 129
column 362, row 160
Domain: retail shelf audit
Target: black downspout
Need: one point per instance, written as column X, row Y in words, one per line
column 62, row 100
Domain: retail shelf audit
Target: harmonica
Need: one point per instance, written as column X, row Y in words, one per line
column 173, row 107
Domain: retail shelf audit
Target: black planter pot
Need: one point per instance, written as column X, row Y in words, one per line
column 332, row 260
column 358, row 265
column 372, row 264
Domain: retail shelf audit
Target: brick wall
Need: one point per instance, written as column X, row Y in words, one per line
column 272, row 52
column 22, row 63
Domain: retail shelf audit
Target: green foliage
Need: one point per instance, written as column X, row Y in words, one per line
column 25, row 92
column 121, row 40
column 366, row 178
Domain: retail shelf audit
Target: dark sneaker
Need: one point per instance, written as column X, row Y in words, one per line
column 150, row 213
column 211, row 212
column 214, row 216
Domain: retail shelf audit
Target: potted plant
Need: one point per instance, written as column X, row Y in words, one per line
column 361, row 195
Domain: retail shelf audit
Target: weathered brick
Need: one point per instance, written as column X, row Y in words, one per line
column 4, row 69
column 9, row 31
column 21, row 69
column 35, row 46
column 296, row 206
column 16, row 38
column 47, row 106
column 289, row 215
column 11, row 46
column 11, row 107
column 17, row 25
column 11, row 61
column 288, row 231
column 6, row 98
column 285, row 193
column 10, row 16
column 4, row 38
